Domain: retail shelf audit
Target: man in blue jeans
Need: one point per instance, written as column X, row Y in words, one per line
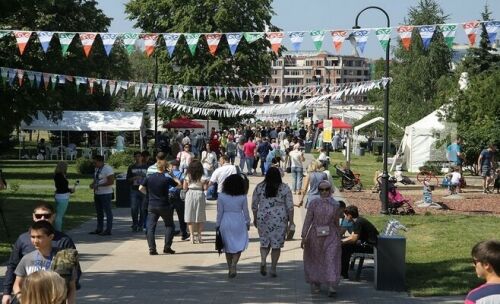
column 102, row 185
column 136, row 173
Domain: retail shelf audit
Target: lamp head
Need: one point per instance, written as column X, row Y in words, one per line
column 356, row 27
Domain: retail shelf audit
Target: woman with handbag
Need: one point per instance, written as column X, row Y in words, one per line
column 194, row 186
column 321, row 241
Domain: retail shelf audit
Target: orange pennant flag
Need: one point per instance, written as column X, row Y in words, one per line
column 87, row 42
column 22, row 38
column 213, row 41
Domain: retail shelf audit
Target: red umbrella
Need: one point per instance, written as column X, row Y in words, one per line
column 337, row 124
column 183, row 123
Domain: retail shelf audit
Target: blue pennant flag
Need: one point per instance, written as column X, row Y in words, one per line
column 296, row 38
column 426, row 33
column 171, row 41
column 491, row 29
column 233, row 39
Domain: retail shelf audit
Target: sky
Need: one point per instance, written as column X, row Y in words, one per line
column 302, row 15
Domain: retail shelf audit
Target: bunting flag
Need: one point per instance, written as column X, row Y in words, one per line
column 20, row 77
column 338, row 39
column 361, row 37
column 22, row 38
column 213, row 41
column 108, row 40
column 317, row 37
column 129, row 40
column 251, row 37
column 470, row 29
column 384, row 36
column 65, row 40
column 449, row 31
column 87, row 42
column 4, row 33
column 150, row 43
column 405, row 32
column 426, row 33
column 491, row 29
column 171, row 42
column 45, row 38
column 233, row 39
column 192, row 41
column 275, row 40
column 296, row 38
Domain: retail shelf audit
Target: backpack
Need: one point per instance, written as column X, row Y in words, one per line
column 65, row 263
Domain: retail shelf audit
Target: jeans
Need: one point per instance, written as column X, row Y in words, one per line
column 103, row 205
column 249, row 161
column 167, row 214
column 179, row 209
column 262, row 164
column 242, row 159
column 297, row 174
column 136, row 210
column 61, row 207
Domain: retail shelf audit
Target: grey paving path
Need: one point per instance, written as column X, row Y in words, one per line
column 118, row 269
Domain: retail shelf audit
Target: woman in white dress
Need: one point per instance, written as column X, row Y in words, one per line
column 195, row 202
column 233, row 220
column 209, row 161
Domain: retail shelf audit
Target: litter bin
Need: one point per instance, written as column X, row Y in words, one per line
column 122, row 192
column 360, row 151
column 390, row 263
column 308, row 146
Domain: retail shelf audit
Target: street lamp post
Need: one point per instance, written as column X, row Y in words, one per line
column 156, row 103
column 385, row 173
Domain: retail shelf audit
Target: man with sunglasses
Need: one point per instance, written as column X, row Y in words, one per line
column 23, row 246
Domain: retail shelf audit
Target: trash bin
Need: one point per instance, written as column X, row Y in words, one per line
column 122, row 192
column 308, row 146
column 360, row 151
column 390, row 263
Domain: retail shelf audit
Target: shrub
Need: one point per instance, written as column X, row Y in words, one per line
column 379, row 159
column 434, row 168
column 84, row 166
column 121, row 159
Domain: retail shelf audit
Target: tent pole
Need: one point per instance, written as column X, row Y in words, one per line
column 61, row 147
column 100, row 139
column 140, row 140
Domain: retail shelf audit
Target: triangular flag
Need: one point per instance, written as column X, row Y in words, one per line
column 4, row 33
column 46, row 80
column 171, row 42
column 361, row 37
column 38, row 78
column 275, row 40
column 491, row 29
column 65, row 40
column 108, row 40
column 45, row 38
column 31, row 77
column 317, row 37
column 426, row 33
column 338, row 39
column 233, row 39
column 22, row 38
column 449, row 31
column 213, row 41
column 129, row 40
column 384, row 36
column 296, row 38
column 192, row 41
column 149, row 43
column 87, row 42
column 470, row 29
column 20, row 77
column 405, row 32
column 254, row 36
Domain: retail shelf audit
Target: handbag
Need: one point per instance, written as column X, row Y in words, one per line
column 219, row 243
column 182, row 194
column 322, row 230
column 290, row 233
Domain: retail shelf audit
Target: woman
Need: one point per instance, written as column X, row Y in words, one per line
column 208, row 160
column 241, row 152
column 233, row 220
column 195, row 202
column 44, row 287
column 272, row 206
column 314, row 177
column 62, row 193
column 184, row 157
column 321, row 241
column 296, row 159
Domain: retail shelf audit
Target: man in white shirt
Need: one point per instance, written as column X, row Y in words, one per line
column 220, row 174
column 103, row 193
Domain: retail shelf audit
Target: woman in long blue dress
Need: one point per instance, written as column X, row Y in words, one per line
column 233, row 219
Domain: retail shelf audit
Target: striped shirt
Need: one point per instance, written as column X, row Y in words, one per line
column 484, row 294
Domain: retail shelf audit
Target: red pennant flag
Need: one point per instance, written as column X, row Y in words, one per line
column 87, row 42
column 470, row 29
column 275, row 39
column 20, row 77
column 150, row 43
column 46, row 80
column 22, row 38
column 405, row 32
column 338, row 39
column 213, row 42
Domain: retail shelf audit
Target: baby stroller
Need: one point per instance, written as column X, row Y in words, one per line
column 349, row 179
column 397, row 203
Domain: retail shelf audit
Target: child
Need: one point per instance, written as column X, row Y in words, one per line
column 496, row 184
column 455, row 177
column 486, row 259
column 323, row 158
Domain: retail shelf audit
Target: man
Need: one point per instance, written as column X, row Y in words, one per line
column 23, row 246
column 454, row 153
column 263, row 150
column 41, row 233
column 199, row 143
column 215, row 141
column 175, row 197
column 485, row 163
column 220, row 174
column 103, row 193
column 363, row 237
column 136, row 173
column 250, row 151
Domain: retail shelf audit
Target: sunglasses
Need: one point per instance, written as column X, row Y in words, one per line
column 46, row 216
column 324, row 189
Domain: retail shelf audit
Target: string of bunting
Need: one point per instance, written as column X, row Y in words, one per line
column 128, row 40
column 113, row 87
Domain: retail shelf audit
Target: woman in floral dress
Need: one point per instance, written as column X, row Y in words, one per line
column 321, row 241
column 272, row 206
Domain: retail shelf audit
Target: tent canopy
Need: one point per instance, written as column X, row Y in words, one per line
column 337, row 124
column 184, row 122
column 88, row 121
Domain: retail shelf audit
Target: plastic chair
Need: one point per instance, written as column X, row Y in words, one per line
column 54, row 152
column 70, row 153
column 87, row 153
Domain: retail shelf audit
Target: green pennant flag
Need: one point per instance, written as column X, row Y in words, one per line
column 65, row 40
column 317, row 37
column 384, row 35
column 192, row 41
column 129, row 40
column 253, row 36
column 449, row 31
column 53, row 80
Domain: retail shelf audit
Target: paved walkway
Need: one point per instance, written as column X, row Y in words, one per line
column 118, row 269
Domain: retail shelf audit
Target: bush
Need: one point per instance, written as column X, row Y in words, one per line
column 434, row 168
column 121, row 159
column 379, row 159
column 84, row 166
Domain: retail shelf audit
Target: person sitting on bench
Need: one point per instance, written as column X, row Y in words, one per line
column 362, row 239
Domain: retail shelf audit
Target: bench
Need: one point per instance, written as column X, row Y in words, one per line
column 361, row 257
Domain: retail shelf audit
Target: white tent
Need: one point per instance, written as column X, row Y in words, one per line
column 419, row 142
column 97, row 121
